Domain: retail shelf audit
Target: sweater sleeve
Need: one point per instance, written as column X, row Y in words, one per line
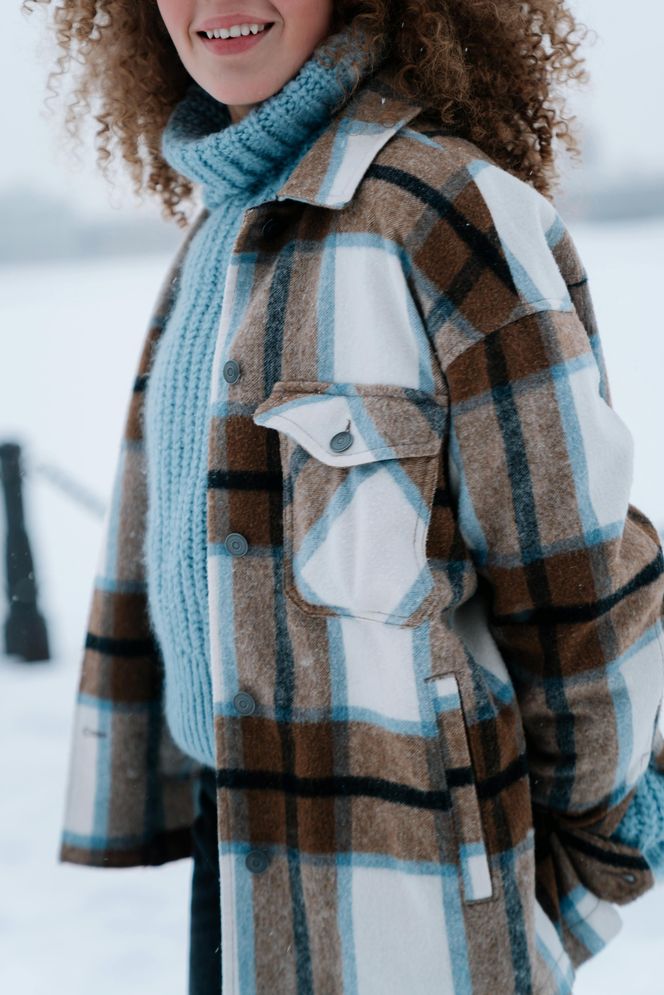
column 642, row 826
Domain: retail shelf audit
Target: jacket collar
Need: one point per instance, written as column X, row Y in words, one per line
column 330, row 172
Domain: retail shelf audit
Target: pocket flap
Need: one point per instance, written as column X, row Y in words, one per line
column 382, row 421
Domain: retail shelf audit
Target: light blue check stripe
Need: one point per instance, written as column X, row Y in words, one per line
column 578, row 925
column 571, row 422
column 340, row 149
column 469, row 523
column 115, row 586
column 337, row 157
column 102, row 786
column 555, row 232
column 244, row 917
column 528, row 291
column 103, row 842
column 347, row 937
column 446, row 702
column 102, row 705
column 564, row 979
column 413, row 597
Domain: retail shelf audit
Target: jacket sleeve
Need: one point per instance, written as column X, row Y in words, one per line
column 540, row 470
column 130, row 790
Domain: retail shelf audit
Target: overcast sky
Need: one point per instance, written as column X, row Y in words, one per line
column 626, row 87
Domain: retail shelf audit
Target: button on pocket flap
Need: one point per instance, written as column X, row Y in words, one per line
column 345, row 424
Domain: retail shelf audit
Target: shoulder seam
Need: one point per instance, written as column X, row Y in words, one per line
column 557, row 306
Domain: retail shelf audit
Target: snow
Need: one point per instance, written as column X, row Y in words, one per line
column 71, row 338
column 75, row 334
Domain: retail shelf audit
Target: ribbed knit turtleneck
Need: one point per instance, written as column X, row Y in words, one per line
column 236, row 164
column 232, row 160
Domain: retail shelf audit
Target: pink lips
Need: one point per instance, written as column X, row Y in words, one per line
column 228, row 20
column 229, row 46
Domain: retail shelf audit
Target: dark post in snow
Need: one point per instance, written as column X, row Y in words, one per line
column 25, row 628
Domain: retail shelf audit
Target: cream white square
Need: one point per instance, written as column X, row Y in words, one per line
column 82, row 781
column 380, row 670
column 376, row 336
column 368, row 559
column 398, row 922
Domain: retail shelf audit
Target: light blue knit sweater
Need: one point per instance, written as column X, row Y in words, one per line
column 643, row 823
column 237, row 164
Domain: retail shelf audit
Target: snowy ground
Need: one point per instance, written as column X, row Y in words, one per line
column 70, row 337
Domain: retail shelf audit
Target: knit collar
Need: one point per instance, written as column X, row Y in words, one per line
column 244, row 159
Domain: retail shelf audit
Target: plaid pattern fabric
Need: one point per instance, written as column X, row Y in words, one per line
column 376, row 484
column 435, row 618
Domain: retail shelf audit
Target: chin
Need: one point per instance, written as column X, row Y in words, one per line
column 239, row 95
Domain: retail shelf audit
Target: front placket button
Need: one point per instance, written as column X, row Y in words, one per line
column 341, row 441
column 244, row 703
column 256, row 861
column 231, row 371
column 236, row 544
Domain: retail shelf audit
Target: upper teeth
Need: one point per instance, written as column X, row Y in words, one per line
column 236, row 30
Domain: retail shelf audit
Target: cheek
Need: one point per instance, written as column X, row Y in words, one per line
column 310, row 18
column 175, row 15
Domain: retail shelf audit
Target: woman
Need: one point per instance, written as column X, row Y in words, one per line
column 370, row 521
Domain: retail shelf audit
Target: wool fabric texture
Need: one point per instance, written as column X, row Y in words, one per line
column 236, row 164
column 643, row 823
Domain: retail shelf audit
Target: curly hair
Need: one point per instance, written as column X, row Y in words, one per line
column 486, row 70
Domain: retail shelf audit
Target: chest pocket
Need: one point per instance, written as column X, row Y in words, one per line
column 360, row 465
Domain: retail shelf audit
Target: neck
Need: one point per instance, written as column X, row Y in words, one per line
column 239, row 111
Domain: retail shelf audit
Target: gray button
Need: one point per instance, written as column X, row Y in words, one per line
column 256, row 861
column 244, row 703
column 236, row 544
column 631, row 878
column 231, row 371
column 341, row 441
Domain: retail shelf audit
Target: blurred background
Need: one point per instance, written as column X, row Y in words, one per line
column 80, row 266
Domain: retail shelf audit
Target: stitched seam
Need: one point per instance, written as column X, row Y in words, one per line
column 524, row 312
column 284, row 388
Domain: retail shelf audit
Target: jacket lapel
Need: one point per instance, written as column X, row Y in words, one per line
column 330, row 172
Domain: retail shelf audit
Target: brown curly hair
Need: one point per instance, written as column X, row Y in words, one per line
column 485, row 69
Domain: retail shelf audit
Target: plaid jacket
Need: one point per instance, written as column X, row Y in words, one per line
column 435, row 618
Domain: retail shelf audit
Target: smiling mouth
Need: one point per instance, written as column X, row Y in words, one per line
column 204, row 34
